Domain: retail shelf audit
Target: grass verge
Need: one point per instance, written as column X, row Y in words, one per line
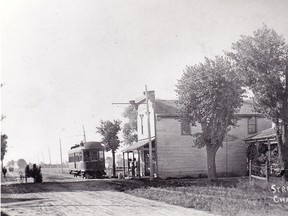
column 232, row 196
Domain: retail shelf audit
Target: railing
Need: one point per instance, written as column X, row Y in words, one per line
column 260, row 172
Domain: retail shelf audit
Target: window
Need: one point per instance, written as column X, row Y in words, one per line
column 80, row 156
column 94, row 155
column 86, row 155
column 141, row 117
column 101, row 155
column 252, row 125
column 185, row 128
column 71, row 157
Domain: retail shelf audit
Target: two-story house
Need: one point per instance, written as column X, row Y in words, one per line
column 174, row 152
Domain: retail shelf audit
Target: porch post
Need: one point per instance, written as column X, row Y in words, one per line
column 128, row 174
column 124, row 165
column 269, row 151
column 133, row 165
column 138, row 164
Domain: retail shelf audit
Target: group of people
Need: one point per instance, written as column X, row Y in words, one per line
column 35, row 173
column 133, row 167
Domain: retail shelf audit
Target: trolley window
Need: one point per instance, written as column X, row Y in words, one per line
column 71, row 157
column 94, row 155
column 80, row 156
column 86, row 155
column 101, row 155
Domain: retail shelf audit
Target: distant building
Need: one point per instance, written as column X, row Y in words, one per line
column 174, row 152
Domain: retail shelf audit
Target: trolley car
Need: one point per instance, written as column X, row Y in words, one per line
column 87, row 160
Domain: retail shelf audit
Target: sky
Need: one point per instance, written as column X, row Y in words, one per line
column 63, row 63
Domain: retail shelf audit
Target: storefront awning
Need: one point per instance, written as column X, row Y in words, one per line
column 138, row 145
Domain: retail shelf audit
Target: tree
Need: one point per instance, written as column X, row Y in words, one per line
column 21, row 163
column 109, row 131
column 262, row 62
column 11, row 163
column 4, row 138
column 130, row 128
column 210, row 94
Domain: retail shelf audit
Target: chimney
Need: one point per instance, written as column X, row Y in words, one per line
column 151, row 95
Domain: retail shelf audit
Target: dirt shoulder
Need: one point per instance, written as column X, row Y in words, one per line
column 65, row 195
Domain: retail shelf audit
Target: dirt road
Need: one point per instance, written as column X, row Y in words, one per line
column 65, row 195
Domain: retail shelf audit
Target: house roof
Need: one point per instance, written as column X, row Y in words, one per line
column 169, row 108
column 268, row 133
column 166, row 107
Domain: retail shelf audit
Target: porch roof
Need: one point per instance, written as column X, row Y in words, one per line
column 263, row 135
column 138, row 145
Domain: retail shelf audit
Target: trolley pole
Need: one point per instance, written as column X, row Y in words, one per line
column 149, row 136
column 61, row 156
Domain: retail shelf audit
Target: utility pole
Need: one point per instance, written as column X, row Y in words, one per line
column 84, row 133
column 61, row 156
column 49, row 156
column 42, row 157
column 149, row 136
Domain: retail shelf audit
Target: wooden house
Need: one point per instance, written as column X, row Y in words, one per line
column 174, row 152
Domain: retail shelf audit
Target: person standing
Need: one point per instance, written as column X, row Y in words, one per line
column 4, row 170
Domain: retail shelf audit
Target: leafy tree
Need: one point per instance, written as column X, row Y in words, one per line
column 4, row 138
column 109, row 131
column 209, row 94
column 21, row 163
column 11, row 163
column 130, row 128
column 262, row 62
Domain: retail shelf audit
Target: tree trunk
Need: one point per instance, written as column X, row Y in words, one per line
column 285, row 127
column 114, row 164
column 282, row 149
column 211, row 164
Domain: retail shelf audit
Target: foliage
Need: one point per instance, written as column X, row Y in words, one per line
column 210, row 94
column 262, row 63
column 11, row 163
column 4, row 138
column 261, row 60
column 21, row 163
column 109, row 131
column 130, row 128
column 251, row 152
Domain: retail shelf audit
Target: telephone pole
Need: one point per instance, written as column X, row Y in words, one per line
column 49, row 156
column 149, row 136
column 61, row 156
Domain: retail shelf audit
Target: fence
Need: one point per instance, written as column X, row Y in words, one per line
column 260, row 172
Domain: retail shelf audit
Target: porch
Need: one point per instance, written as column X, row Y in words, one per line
column 137, row 163
column 262, row 149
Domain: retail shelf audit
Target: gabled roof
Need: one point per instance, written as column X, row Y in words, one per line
column 166, row 107
column 169, row 108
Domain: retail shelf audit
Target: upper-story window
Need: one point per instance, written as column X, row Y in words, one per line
column 252, row 125
column 185, row 128
column 141, row 122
